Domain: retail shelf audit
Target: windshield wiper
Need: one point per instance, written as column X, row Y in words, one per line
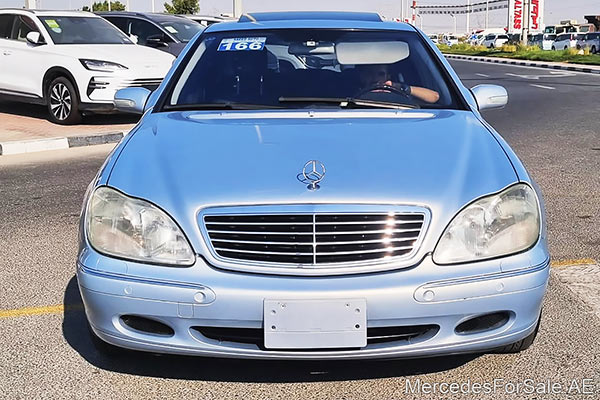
column 219, row 106
column 348, row 102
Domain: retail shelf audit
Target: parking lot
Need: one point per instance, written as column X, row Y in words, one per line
column 47, row 352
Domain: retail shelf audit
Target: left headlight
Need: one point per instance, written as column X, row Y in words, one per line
column 493, row 226
column 102, row 66
column 121, row 226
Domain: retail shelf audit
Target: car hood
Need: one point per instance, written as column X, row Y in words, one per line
column 130, row 55
column 186, row 161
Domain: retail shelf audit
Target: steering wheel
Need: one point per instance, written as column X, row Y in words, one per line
column 383, row 88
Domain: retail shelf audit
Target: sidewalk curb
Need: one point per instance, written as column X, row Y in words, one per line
column 30, row 146
column 526, row 63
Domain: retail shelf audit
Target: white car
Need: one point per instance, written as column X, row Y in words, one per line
column 72, row 62
column 493, row 40
column 450, row 40
column 565, row 41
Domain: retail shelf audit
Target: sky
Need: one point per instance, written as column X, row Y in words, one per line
column 555, row 10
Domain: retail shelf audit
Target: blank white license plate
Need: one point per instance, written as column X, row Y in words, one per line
column 315, row 324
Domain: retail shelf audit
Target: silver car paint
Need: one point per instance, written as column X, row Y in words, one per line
column 187, row 161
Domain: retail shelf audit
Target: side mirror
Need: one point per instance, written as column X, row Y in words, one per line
column 132, row 100
column 490, row 96
column 35, row 38
column 156, row 41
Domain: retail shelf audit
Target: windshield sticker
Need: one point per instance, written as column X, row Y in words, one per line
column 52, row 24
column 241, row 44
column 171, row 29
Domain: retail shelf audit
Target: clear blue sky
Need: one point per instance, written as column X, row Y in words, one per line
column 555, row 10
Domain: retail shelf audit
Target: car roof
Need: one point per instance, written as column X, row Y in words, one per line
column 303, row 19
column 149, row 16
column 54, row 13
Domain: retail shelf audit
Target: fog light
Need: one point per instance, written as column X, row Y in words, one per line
column 146, row 325
column 482, row 323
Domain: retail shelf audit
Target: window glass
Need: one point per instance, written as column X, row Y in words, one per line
column 282, row 68
column 6, row 23
column 119, row 22
column 144, row 30
column 22, row 26
column 184, row 30
column 83, row 30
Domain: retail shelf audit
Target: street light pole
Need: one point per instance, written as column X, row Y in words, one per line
column 487, row 13
column 401, row 10
column 454, row 16
column 237, row 8
column 468, row 15
column 525, row 22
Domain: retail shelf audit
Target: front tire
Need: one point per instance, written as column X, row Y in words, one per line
column 553, row 48
column 63, row 102
column 522, row 344
column 593, row 50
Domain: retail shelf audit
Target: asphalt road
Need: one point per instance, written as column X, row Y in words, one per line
column 50, row 356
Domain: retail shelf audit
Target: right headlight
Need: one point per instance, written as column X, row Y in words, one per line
column 493, row 226
column 121, row 226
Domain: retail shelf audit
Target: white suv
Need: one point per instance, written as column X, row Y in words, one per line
column 73, row 62
column 565, row 41
column 494, row 41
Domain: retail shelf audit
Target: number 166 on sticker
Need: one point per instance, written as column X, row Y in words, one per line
column 241, row 44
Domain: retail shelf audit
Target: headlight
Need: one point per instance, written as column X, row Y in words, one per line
column 493, row 226
column 102, row 66
column 135, row 229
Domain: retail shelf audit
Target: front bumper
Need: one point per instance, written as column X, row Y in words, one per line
column 235, row 300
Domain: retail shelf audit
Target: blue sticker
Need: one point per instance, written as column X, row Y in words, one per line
column 241, row 44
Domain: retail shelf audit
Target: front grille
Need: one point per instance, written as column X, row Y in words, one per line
column 388, row 334
column 314, row 239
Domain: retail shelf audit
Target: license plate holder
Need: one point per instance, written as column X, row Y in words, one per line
column 315, row 324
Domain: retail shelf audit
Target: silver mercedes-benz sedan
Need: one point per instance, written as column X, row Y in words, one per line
column 313, row 186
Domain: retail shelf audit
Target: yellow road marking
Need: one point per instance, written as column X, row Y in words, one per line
column 565, row 263
column 24, row 312
column 60, row 308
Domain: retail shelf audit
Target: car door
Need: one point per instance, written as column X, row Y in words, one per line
column 6, row 23
column 25, row 63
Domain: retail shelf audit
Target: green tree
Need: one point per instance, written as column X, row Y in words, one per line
column 103, row 6
column 182, row 7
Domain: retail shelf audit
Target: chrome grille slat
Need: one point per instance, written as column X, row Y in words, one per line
column 319, row 243
column 366, row 232
column 314, row 239
column 259, row 223
column 286, row 253
column 383, row 250
column 261, row 233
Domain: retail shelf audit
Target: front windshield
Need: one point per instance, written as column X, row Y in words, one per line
column 83, row 30
column 291, row 68
column 182, row 29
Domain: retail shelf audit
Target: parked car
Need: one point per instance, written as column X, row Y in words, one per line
column 590, row 41
column 72, row 62
column 206, row 20
column 269, row 209
column 565, row 41
column 580, row 41
column 450, row 40
column 493, row 40
column 515, row 39
column 165, row 32
column 434, row 38
column 543, row 40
